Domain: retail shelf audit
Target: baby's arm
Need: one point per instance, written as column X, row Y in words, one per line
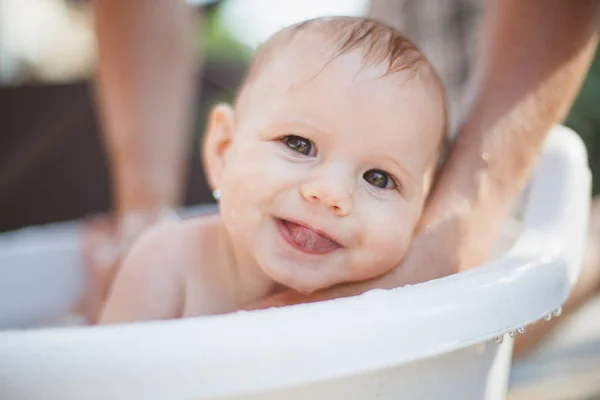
column 150, row 283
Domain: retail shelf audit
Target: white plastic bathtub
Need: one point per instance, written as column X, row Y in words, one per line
column 435, row 340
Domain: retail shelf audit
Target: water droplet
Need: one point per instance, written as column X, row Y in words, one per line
column 548, row 317
column 512, row 334
column 557, row 312
column 521, row 330
column 500, row 339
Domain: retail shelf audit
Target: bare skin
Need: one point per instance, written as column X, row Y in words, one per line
column 147, row 62
column 168, row 262
column 312, row 179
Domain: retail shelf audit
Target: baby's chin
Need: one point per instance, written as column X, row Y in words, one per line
column 306, row 280
column 308, row 276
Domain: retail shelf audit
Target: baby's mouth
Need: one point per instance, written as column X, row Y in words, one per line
column 306, row 239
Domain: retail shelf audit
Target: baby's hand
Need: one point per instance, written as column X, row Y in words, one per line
column 290, row 297
column 282, row 299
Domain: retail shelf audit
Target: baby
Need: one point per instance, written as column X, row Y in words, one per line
column 322, row 169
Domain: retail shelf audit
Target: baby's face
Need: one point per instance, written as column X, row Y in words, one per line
column 324, row 178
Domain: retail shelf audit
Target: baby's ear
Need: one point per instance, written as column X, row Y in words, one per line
column 217, row 141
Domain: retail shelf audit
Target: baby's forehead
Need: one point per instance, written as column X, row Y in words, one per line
column 309, row 71
column 342, row 97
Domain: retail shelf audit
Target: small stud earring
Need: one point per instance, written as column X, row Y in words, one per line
column 216, row 194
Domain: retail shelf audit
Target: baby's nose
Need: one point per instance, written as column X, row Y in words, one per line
column 335, row 196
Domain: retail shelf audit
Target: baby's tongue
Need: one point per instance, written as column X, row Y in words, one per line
column 308, row 239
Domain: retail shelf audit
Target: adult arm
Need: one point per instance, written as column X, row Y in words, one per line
column 145, row 84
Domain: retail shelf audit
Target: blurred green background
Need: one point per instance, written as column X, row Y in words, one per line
column 584, row 118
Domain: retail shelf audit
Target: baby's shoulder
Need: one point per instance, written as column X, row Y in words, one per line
column 168, row 259
column 177, row 243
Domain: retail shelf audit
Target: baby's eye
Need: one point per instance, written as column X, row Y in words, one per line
column 379, row 179
column 299, row 145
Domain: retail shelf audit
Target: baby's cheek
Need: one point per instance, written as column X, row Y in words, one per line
column 396, row 242
column 262, row 169
column 392, row 238
column 248, row 176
